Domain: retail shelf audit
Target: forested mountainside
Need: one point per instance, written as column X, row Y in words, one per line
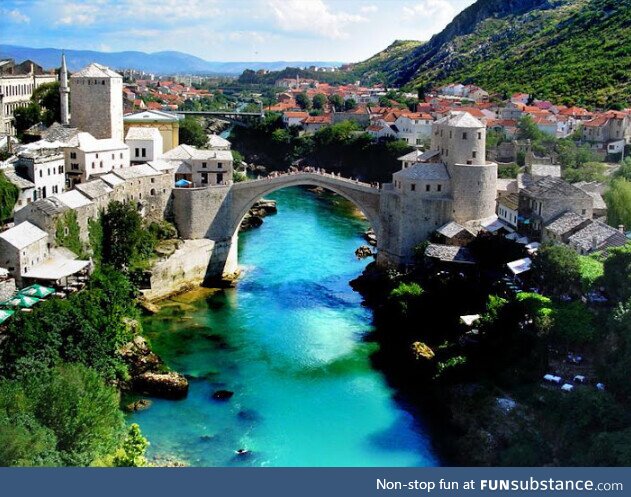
column 571, row 51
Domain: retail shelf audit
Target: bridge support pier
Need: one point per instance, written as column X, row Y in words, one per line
column 224, row 259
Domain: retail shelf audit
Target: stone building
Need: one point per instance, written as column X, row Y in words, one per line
column 145, row 144
column 201, row 167
column 451, row 182
column 86, row 157
column 26, row 188
column 148, row 188
column 546, row 199
column 167, row 124
column 45, row 168
column 17, row 82
column 22, row 248
column 96, row 106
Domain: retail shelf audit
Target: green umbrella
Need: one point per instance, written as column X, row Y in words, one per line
column 5, row 314
column 38, row 291
column 21, row 301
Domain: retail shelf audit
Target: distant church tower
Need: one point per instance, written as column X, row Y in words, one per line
column 64, row 91
column 97, row 102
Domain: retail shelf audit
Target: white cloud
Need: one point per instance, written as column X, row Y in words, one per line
column 440, row 11
column 313, row 17
column 80, row 14
column 368, row 9
column 172, row 10
column 15, row 15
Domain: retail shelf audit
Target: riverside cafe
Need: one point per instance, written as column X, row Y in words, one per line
column 23, row 301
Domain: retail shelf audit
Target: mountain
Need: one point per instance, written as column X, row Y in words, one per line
column 158, row 62
column 572, row 51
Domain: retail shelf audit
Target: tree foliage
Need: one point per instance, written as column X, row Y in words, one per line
column 9, row 194
column 557, row 269
column 618, row 199
column 192, row 133
column 65, row 416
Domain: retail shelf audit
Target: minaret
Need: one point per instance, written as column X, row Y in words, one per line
column 64, row 91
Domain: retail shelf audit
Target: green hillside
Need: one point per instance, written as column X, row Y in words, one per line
column 571, row 51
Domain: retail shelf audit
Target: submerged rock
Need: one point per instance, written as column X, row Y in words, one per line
column 139, row 405
column 165, row 385
column 222, row 395
column 371, row 237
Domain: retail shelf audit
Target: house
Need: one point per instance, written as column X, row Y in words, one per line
column 563, row 227
column 86, row 157
column 294, row 118
column 201, row 167
column 22, row 248
column 508, row 208
column 311, row 124
column 145, row 144
column 609, row 131
column 543, row 200
column 455, row 234
column 595, row 190
column 44, row 166
column 597, row 236
column 359, row 115
column 26, row 189
column 168, row 124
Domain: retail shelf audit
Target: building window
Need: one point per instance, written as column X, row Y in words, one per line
column 479, row 135
column 41, row 173
column 413, row 187
column 61, row 169
column 73, row 155
column 97, row 156
column 219, row 165
column 464, row 136
column 153, row 191
column 204, row 165
column 439, row 188
column 121, row 155
column 427, row 188
column 469, row 162
column 144, row 152
column 584, row 211
column 112, row 156
column 136, row 152
column 474, row 154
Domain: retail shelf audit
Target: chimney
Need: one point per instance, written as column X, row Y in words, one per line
column 594, row 243
column 621, row 228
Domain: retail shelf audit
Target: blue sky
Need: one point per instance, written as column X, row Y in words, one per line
column 226, row 30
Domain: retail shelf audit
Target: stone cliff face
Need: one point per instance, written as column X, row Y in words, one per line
column 437, row 49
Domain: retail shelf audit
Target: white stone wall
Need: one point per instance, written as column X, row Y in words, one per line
column 459, row 145
column 17, row 92
column 21, row 261
column 474, row 191
column 96, row 106
column 145, row 150
column 81, row 166
column 47, row 173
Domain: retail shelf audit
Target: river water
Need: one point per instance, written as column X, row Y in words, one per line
column 290, row 342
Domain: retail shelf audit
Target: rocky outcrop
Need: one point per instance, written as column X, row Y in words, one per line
column 148, row 375
column 363, row 252
column 139, row 405
column 254, row 217
column 370, row 237
column 164, row 385
column 222, row 395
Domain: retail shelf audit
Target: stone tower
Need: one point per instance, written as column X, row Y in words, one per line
column 461, row 140
column 97, row 102
column 64, row 91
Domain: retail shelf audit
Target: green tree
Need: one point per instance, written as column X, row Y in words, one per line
column 192, row 133
column 49, row 100
column 618, row 199
column 132, row 453
column 617, row 273
column 9, row 194
column 590, row 171
column 66, row 416
column 25, row 117
column 350, row 104
column 337, row 102
column 319, row 101
column 303, row 101
column 624, row 172
column 557, row 269
column 405, row 296
column 125, row 241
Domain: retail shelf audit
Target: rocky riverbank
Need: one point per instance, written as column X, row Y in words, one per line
column 148, row 374
column 254, row 217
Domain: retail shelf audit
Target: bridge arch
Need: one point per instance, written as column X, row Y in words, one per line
column 244, row 195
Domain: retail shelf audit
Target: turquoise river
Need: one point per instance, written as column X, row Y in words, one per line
column 290, row 342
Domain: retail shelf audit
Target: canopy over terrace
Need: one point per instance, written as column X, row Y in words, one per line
column 55, row 269
column 38, row 291
column 5, row 314
column 22, row 301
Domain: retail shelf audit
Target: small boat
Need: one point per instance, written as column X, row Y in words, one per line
column 242, row 452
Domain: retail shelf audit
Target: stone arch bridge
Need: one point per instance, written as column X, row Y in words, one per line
column 216, row 212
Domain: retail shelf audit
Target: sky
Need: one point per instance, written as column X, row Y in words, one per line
column 227, row 30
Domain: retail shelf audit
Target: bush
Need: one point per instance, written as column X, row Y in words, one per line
column 192, row 133
column 66, row 416
column 617, row 273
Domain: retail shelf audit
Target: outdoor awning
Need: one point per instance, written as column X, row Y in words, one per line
column 182, row 183
column 520, row 266
column 470, row 319
column 5, row 314
column 55, row 269
column 38, row 291
column 23, row 301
